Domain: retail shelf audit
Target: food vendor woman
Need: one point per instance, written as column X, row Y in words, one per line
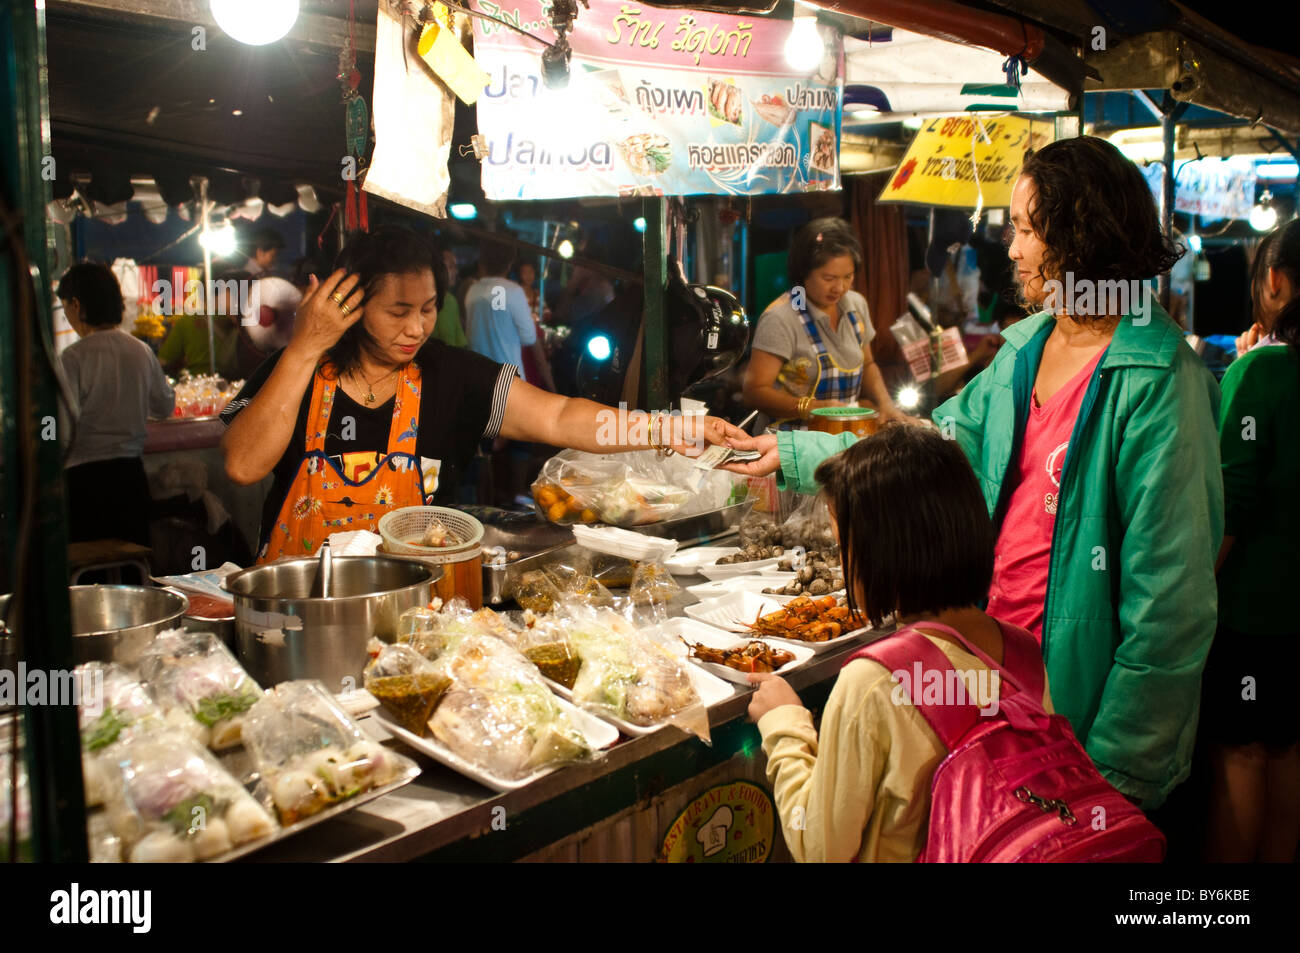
column 362, row 413
column 813, row 344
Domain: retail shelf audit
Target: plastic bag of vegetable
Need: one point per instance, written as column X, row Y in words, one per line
column 169, row 800
column 121, row 706
column 630, row 675
column 195, row 674
column 500, row 714
column 311, row 754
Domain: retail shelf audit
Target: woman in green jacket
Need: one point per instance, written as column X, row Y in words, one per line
column 1092, row 434
column 1249, row 718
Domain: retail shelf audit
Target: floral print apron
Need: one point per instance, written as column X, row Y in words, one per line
column 321, row 500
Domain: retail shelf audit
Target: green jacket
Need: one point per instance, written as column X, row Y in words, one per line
column 1131, row 602
column 1259, row 441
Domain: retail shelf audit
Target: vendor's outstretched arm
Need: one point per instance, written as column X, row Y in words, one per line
column 537, row 416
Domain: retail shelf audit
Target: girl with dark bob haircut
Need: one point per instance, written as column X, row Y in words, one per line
column 916, row 542
column 914, row 534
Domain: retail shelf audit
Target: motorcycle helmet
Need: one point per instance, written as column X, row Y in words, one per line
column 708, row 331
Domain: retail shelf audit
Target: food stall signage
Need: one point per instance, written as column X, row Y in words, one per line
column 1211, row 187
column 659, row 102
column 965, row 161
column 728, row 823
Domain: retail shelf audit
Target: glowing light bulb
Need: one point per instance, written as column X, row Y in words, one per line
column 598, row 347
column 908, row 398
column 803, row 48
column 1263, row 218
column 255, row 22
column 219, row 240
column 565, row 249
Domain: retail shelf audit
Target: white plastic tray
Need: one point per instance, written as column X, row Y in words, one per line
column 710, row 688
column 717, row 588
column 625, row 543
column 688, row 562
column 694, row 631
column 732, row 613
column 598, row 734
column 715, row 571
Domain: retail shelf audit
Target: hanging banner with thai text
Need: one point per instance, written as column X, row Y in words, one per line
column 1211, row 187
column 659, row 102
column 966, row 161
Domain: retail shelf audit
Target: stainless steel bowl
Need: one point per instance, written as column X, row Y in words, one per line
column 283, row 633
column 117, row 622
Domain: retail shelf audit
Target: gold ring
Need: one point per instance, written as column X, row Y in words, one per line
column 337, row 298
column 345, row 309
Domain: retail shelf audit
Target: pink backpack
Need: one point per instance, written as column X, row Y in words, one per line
column 1016, row 785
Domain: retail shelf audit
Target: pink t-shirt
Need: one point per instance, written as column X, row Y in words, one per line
column 1024, row 545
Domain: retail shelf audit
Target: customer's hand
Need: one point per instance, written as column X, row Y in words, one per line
column 984, row 351
column 773, row 692
column 769, row 462
column 328, row 309
column 692, row 434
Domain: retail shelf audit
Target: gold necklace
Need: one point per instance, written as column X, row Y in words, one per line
column 370, row 388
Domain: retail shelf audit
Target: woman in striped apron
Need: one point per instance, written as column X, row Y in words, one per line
column 813, row 345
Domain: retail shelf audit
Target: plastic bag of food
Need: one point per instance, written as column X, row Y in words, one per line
column 120, row 707
column 654, row 585
column 574, row 583
column 631, row 676
column 171, row 801
column 571, row 484
column 194, row 674
column 500, row 715
column 310, row 753
column 406, row 684
column 809, row 525
column 544, row 641
column 537, row 591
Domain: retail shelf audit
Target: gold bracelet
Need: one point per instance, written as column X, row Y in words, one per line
column 653, row 421
column 805, row 404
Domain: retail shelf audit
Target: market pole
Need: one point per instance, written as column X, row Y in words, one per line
column 1168, row 130
column 207, row 274
column 35, row 555
column 656, row 326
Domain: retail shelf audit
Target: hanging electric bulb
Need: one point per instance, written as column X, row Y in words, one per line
column 219, row 239
column 1263, row 217
column 255, row 22
column 565, row 249
column 804, row 47
column 908, row 398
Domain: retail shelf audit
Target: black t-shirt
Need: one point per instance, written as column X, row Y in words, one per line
column 462, row 401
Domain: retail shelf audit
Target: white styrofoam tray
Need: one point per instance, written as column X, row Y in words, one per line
column 625, row 543
column 688, row 562
column 733, row 613
column 710, row 688
column 726, row 571
column 717, row 588
column 598, row 734
column 693, row 630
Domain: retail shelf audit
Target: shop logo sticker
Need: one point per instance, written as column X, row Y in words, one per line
column 728, row 823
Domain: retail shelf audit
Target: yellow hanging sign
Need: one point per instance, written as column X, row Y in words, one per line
column 966, row 161
column 439, row 46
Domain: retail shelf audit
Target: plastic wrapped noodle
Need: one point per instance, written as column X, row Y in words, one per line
column 200, row 685
column 406, row 684
column 630, row 676
column 499, row 714
column 310, row 753
column 171, row 801
column 121, row 708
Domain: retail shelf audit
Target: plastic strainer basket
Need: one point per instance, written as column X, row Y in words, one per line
column 402, row 530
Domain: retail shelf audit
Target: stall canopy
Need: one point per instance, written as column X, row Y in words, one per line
column 898, row 72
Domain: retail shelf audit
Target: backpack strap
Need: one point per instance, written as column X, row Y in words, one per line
column 906, row 654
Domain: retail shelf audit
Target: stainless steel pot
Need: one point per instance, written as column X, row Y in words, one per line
column 283, row 633
column 117, row 622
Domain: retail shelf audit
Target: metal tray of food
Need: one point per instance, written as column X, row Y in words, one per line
column 501, row 576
